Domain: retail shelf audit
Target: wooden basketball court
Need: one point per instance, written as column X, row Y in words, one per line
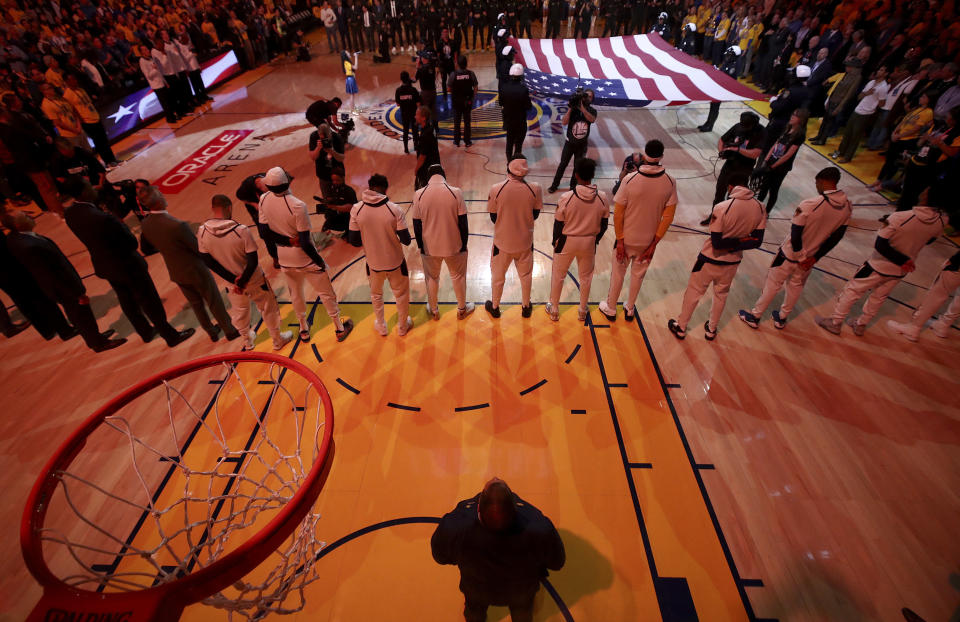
column 787, row 475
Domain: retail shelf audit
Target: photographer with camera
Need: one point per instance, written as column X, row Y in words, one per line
column 578, row 118
column 739, row 147
column 326, row 151
column 339, row 199
column 427, row 76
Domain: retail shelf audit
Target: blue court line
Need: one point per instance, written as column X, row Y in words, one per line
column 672, row 386
column 572, row 354
column 344, row 384
column 534, row 387
column 316, row 352
column 403, row 407
column 751, row 582
column 461, row 409
column 577, row 411
column 640, row 465
column 725, row 547
column 705, row 466
column 617, row 385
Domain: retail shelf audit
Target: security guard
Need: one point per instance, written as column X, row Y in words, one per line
column 407, row 98
column 463, row 89
column 515, row 104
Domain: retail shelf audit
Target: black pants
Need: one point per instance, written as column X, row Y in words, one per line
column 100, row 141
column 34, row 305
column 461, row 113
column 444, row 74
column 429, row 99
column 723, row 179
column 523, row 29
column 712, row 115
column 892, row 162
column 570, row 150
column 196, row 81
column 772, row 185
column 521, row 609
column 141, row 303
column 516, row 133
column 410, row 30
column 409, row 124
column 553, row 28
column 81, row 316
column 201, row 294
column 168, row 106
column 915, row 179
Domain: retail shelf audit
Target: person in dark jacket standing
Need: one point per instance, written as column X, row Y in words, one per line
column 515, row 104
column 58, row 280
column 408, row 97
column 503, row 547
column 40, row 311
column 463, row 88
column 428, row 152
column 113, row 251
column 178, row 245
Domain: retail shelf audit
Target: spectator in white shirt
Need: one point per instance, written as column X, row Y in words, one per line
column 901, row 86
column 329, row 19
column 871, row 97
column 949, row 99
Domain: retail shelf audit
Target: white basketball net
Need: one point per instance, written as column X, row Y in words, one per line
column 218, row 506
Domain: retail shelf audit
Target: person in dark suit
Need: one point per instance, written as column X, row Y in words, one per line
column 33, row 304
column 113, row 251
column 503, row 547
column 58, row 280
column 178, row 245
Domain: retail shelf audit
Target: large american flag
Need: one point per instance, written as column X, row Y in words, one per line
column 636, row 70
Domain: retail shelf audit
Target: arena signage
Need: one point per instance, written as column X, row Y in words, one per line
column 180, row 176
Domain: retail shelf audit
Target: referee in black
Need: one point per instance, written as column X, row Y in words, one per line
column 515, row 104
column 428, row 152
column 463, row 89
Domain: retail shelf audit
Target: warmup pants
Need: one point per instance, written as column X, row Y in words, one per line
column 456, row 266
column 947, row 284
column 499, row 263
column 202, row 294
column 618, row 271
column 704, row 274
column 321, row 282
column 866, row 280
column 583, row 248
column 782, row 273
column 399, row 279
column 259, row 292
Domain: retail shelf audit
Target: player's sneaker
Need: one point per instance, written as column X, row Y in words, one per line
column 492, row 310
column 405, row 327
column 749, row 319
column 526, row 311
column 248, row 340
column 629, row 312
column 708, row 333
column 779, row 321
column 434, row 313
column 583, row 314
column 467, row 309
column 380, row 327
column 607, row 312
column 829, row 325
column 285, row 338
column 911, row 332
column 347, row 329
column 858, row 328
column 674, row 327
column 305, row 335
column 552, row 313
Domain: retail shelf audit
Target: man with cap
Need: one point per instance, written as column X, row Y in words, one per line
column 896, row 248
column 513, row 204
column 229, row 249
column 662, row 27
column 515, row 103
column 729, row 67
column 739, row 147
column 284, row 215
column 181, row 254
column 817, row 226
column 503, row 547
column 504, row 63
column 580, row 222
column 946, row 284
column 440, row 226
column 428, row 151
column 736, row 224
column 463, row 88
column 644, row 206
column 578, row 119
column 58, row 280
column 783, row 105
column 114, row 253
column 379, row 227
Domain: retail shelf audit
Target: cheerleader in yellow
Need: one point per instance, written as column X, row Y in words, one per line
column 349, row 69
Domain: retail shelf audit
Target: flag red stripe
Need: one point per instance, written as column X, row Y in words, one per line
column 595, row 68
column 649, row 86
column 681, row 81
column 717, row 76
column 569, row 69
column 539, row 55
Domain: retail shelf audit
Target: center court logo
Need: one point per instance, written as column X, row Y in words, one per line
column 486, row 122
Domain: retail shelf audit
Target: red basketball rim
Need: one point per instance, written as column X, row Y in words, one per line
column 166, row 601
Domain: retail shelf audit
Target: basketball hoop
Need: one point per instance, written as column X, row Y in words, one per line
column 214, row 495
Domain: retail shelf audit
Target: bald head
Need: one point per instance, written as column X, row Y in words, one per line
column 18, row 220
column 152, row 199
column 497, row 508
